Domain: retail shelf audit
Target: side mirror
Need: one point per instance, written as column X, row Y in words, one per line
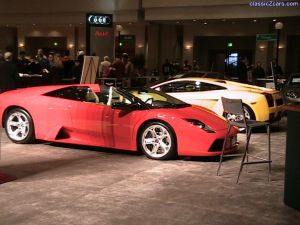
column 123, row 106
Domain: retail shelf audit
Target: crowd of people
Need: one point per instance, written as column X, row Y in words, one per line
column 169, row 69
column 249, row 74
column 55, row 68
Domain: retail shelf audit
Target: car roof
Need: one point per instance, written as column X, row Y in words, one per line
column 231, row 85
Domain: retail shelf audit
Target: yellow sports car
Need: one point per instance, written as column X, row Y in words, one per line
column 260, row 103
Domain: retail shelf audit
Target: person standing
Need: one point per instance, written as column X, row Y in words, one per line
column 57, row 70
column 8, row 73
column 41, row 58
column 129, row 69
column 242, row 71
column 117, row 68
column 104, row 67
column 68, row 64
column 258, row 72
column 23, row 63
column 167, row 69
column 195, row 65
column 186, row 66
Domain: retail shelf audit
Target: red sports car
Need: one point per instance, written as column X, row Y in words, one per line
column 158, row 124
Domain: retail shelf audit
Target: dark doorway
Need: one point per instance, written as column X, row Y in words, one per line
column 225, row 61
column 125, row 44
column 221, row 53
column 49, row 44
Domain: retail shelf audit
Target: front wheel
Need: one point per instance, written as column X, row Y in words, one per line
column 157, row 141
column 19, row 126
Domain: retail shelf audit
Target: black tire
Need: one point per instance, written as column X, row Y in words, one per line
column 164, row 145
column 19, row 120
column 248, row 113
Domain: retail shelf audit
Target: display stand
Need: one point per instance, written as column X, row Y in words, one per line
column 89, row 70
column 3, row 177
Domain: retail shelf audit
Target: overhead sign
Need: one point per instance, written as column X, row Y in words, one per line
column 266, row 37
column 99, row 20
column 99, row 34
column 127, row 37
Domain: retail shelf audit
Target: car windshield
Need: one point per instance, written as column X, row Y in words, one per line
column 155, row 99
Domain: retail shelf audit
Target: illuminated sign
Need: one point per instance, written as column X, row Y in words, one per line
column 102, row 33
column 99, row 20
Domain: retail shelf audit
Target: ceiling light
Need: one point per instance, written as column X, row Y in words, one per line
column 274, row 20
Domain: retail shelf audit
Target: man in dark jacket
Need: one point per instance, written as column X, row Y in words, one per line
column 242, row 70
column 8, row 73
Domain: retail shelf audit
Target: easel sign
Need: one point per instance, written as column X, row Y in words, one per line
column 89, row 69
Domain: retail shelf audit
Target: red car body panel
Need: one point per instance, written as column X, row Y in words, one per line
column 85, row 123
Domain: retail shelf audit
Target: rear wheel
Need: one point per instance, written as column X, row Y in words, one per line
column 19, row 126
column 157, row 141
column 248, row 114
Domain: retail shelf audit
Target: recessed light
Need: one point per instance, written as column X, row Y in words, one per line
column 274, row 20
column 205, row 23
column 254, row 21
column 194, row 20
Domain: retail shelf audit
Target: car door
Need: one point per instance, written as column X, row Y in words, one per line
column 98, row 123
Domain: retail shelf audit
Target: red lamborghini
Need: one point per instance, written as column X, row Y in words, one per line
column 158, row 124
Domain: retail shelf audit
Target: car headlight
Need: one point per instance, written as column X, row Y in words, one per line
column 292, row 94
column 201, row 125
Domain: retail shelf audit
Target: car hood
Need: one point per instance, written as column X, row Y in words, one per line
column 199, row 113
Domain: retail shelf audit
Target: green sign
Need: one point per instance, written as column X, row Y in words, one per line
column 229, row 44
column 127, row 37
column 266, row 37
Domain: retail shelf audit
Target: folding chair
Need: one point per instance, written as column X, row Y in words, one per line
column 235, row 116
